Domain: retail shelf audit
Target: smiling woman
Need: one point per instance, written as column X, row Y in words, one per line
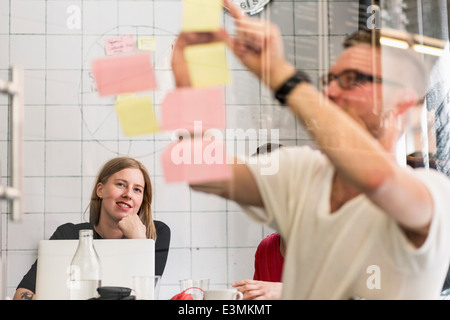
column 120, row 207
column 122, row 191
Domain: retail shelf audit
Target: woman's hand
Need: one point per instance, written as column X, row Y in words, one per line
column 24, row 294
column 132, row 227
column 259, row 290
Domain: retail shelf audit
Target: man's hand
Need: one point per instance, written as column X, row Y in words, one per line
column 185, row 39
column 259, row 46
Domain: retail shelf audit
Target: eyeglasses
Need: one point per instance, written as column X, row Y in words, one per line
column 349, row 79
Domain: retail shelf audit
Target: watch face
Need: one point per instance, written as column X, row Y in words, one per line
column 251, row 6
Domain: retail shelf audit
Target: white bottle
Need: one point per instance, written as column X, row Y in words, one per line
column 85, row 269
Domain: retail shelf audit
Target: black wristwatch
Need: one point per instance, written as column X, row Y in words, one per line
column 286, row 88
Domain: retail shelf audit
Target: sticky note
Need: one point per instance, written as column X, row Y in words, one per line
column 196, row 160
column 125, row 96
column 201, row 15
column 136, row 115
column 119, row 45
column 187, row 107
column 124, row 74
column 147, row 43
column 207, row 64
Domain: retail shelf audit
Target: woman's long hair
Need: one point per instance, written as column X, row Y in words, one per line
column 110, row 168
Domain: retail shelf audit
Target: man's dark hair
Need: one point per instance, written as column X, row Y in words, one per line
column 367, row 36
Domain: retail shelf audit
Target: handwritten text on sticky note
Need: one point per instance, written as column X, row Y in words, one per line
column 119, row 45
column 147, row 43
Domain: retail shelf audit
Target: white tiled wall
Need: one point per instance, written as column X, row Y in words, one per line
column 70, row 131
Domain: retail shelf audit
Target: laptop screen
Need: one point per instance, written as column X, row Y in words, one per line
column 120, row 260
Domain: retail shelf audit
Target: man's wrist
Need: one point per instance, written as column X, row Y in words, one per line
column 288, row 86
column 280, row 74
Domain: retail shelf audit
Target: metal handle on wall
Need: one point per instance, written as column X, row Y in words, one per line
column 13, row 193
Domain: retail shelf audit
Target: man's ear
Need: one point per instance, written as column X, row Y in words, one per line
column 407, row 99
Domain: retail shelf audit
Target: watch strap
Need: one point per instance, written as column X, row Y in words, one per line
column 286, row 88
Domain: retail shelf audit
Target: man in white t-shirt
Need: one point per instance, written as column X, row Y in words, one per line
column 356, row 223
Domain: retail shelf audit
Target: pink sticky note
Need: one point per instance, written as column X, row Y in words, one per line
column 184, row 107
column 119, row 45
column 124, row 74
column 196, row 161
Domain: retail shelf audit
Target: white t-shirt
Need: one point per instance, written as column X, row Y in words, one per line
column 358, row 251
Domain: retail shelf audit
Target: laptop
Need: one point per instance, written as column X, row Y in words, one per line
column 120, row 260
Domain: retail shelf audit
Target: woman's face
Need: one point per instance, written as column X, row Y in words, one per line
column 122, row 194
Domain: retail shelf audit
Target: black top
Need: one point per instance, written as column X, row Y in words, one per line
column 70, row 231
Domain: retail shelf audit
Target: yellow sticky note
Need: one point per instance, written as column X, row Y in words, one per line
column 147, row 43
column 124, row 96
column 201, row 15
column 136, row 116
column 207, row 64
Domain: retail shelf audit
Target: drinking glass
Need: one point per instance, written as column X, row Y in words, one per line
column 146, row 287
column 194, row 287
